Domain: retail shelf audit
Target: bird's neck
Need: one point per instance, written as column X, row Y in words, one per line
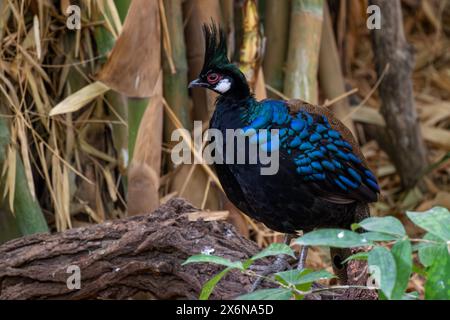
column 238, row 101
column 234, row 113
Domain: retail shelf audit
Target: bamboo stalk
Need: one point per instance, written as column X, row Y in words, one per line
column 196, row 13
column 276, row 26
column 176, row 84
column 227, row 7
column 144, row 170
column 28, row 215
column 250, row 53
column 118, row 102
column 136, row 110
column 331, row 78
column 303, row 53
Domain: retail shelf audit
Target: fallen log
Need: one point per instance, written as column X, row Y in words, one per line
column 139, row 257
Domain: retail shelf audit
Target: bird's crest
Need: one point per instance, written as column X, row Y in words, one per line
column 215, row 47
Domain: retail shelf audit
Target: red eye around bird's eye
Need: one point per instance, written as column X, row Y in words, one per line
column 213, row 78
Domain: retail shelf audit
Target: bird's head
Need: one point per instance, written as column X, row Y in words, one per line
column 218, row 73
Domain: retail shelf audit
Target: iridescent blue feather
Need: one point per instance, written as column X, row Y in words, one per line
column 319, row 152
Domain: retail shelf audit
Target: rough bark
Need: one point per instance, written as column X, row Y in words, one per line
column 398, row 108
column 139, row 256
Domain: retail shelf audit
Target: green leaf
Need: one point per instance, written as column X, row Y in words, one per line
column 291, row 276
column 411, row 296
column 378, row 236
column 436, row 221
column 428, row 251
column 205, row 258
column 274, row 249
column 388, row 225
column 268, row 294
column 382, row 267
column 211, row 284
column 363, row 256
column 402, row 252
column 437, row 286
column 336, row 238
column 296, row 277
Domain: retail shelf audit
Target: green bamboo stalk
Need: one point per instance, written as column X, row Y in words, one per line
column 105, row 42
column 276, row 26
column 28, row 217
column 303, row 53
column 137, row 108
column 175, row 84
column 8, row 227
column 122, row 8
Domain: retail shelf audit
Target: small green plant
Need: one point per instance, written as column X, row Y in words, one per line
column 390, row 259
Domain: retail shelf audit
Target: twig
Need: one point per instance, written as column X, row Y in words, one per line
column 372, row 91
column 341, row 97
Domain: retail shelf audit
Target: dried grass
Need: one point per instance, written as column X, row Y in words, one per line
column 41, row 64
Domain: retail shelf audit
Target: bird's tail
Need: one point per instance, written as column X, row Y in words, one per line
column 338, row 255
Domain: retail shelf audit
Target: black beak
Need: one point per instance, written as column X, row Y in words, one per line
column 197, row 83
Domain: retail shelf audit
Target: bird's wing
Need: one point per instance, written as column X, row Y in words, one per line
column 321, row 148
column 328, row 155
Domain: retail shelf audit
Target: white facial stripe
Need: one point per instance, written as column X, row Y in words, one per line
column 223, row 86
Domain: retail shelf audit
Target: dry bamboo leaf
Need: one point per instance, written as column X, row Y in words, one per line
column 428, row 9
column 59, row 217
column 65, row 197
column 86, row 147
column 10, row 94
column 37, row 37
column 386, row 170
column 37, row 97
column 128, row 69
column 110, row 183
column 99, row 204
column 80, row 98
column 206, row 193
column 208, row 215
column 45, row 170
column 436, row 136
column 93, row 214
column 36, row 65
column 10, row 188
column 166, row 37
column 369, row 116
column 168, row 197
column 109, row 26
column 439, row 137
column 22, row 136
column 188, row 139
column 115, row 16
